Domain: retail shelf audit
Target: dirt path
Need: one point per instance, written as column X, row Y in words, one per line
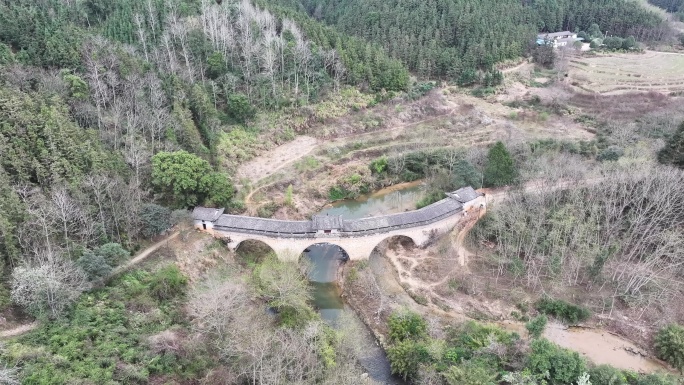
column 144, row 254
column 270, row 162
column 19, row 330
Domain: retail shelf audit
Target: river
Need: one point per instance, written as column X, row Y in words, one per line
column 326, row 259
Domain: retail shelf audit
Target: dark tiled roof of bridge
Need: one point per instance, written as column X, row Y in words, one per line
column 427, row 214
column 327, row 222
column 275, row 226
column 465, row 194
column 430, row 214
column 206, row 214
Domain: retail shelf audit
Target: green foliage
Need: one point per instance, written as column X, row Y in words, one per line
column 78, row 88
column 562, row 310
column 239, row 108
column 216, row 65
column 167, row 283
column 563, row 366
column 104, row 340
column 471, row 337
column 654, row 379
column 406, row 325
column 6, row 56
column 447, row 38
column 419, row 90
column 337, row 193
column 39, row 142
column 288, row 195
column 673, row 152
column 607, row 375
column 185, row 180
column 406, row 356
column 283, row 286
column 669, row 344
column 94, row 265
column 113, row 253
column 154, row 219
column 536, row 326
column 610, row 153
column 500, row 169
column 430, row 198
column 471, row 372
column 379, row 166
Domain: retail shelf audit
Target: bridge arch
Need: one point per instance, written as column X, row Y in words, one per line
column 254, row 249
column 404, row 240
column 345, row 254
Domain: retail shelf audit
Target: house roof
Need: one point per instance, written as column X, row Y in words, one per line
column 465, row 194
column 206, row 214
column 555, row 35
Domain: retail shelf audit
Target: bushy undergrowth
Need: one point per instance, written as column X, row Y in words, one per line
column 479, row 354
column 564, row 311
column 103, row 338
column 669, row 345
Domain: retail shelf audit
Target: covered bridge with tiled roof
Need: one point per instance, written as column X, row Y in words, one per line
column 358, row 237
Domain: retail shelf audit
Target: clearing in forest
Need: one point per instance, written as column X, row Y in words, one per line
column 616, row 74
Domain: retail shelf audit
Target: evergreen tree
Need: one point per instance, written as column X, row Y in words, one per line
column 500, row 169
column 673, row 152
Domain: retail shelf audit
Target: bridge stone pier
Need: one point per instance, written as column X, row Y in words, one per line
column 356, row 237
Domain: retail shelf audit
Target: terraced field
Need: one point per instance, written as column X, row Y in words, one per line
column 628, row 73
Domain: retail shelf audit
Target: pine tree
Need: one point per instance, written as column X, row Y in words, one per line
column 500, row 169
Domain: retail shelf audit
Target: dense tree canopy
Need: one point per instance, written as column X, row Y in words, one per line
column 446, row 37
column 187, row 180
column 501, row 169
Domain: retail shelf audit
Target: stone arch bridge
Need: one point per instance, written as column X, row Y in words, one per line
column 358, row 237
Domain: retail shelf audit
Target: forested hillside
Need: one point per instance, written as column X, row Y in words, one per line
column 446, row 38
column 669, row 5
column 100, row 99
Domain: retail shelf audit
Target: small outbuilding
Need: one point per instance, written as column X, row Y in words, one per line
column 205, row 217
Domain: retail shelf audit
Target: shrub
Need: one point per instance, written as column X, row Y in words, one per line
column 669, row 344
column 378, row 166
column 563, row 366
column 655, row 379
column 406, row 325
column 606, row 375
column 430, row 198
column 95, row 266
column 564, row 311
column 167, row 283
column 611, row 153
column 154, row 219
column 470, row 373
column 406, row 356
column 536, row 326
column 673, row 152
column 112, row 253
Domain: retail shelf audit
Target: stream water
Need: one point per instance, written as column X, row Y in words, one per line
column 326, row 259
column 391, row 200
